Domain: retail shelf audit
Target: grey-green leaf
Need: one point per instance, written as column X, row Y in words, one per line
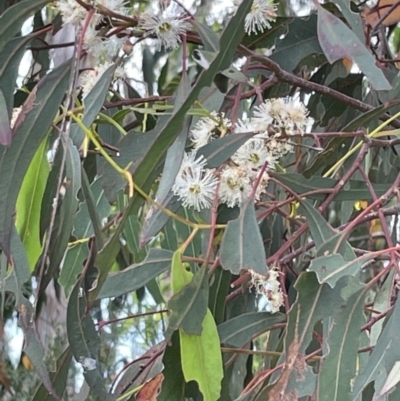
column 242, row 246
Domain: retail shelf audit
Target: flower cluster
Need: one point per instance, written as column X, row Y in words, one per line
column 273, row 122
column 260, row 15
column 269, row 287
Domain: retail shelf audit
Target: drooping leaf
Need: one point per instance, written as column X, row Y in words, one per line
column 313, row 303
column 99, row 206
column 73, row 266
column 93, row 103
column 201, row 359
column 69, row 203
column 352, row 18
column 5, row 129
column 11, row 56
column 338, row 41
column 242, row 246
column 85, row 343
column 382, row 358
column 172, row 165
column 189, row 303
column 174, row 383
column 33, row 347
column 13, row 18
column 15, row 160
column 136, row 276
column 300, row 185
column 241, row 329
column 219, row 151
column 58, row 378
column 339, row 366
column 19, row 273
column 131, row 233
column 29, row 204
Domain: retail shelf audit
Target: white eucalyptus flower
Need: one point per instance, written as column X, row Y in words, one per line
column 254, row 154
column 168, row 28
column 260, row 15
column 197, row 190
column 235, row 185
column 208, row 127
column 72, row 12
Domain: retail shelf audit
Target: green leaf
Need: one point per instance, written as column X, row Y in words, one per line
column 201, row 359
column 320, row 230
column 19, row 272
column 220, row 150
column 313, row 303
column 188, row 305
column 171, row 168
column 219, row 289
column 383, row 357
column 136, row 276
column 300, row 41
column 12, row 19
column 354, row 19
column 152, row 226
column 83, row 227
column 242, row 329
column 208, row 37
column 339, row 363
column 301, row 185
column 11, row 56
column 338, row 42
column 85, row 343
column 173, row 385
column 58, row 378
column 67, row 209
column 93, row 103
column 329, row 269
column 29, row 203
column 73, row 266
column 33, row 347
column 93, row 202
column 5, row 129
column 242, row 246
column 37, row 114
column 131, row 232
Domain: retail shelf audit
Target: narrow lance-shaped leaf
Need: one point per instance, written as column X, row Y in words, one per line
column 29, row 203
column 85, row 343
column 5, row 129
column 11, row 56
column 241, row 329
column 138, row 275
column 15, row 160
column 200, row 354
column 12, row 19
